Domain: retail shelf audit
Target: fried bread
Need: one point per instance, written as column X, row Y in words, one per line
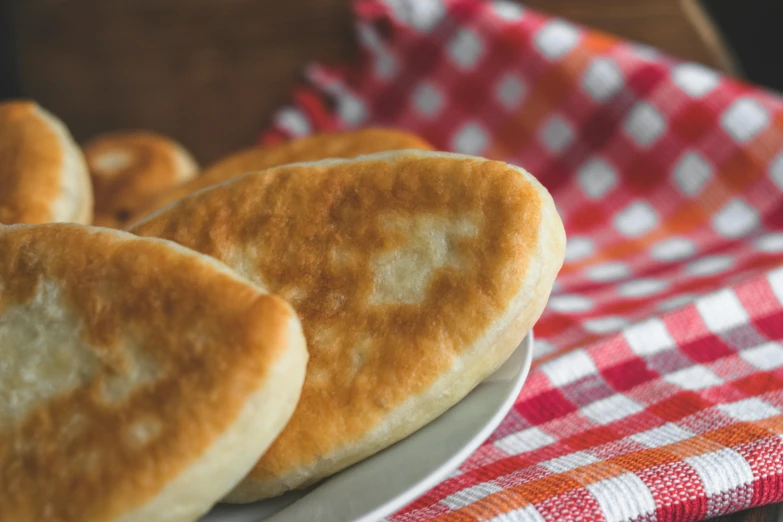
column 129, row 169
column 43, row 176
column 348, row 144
column 415, row 275
column 139, row 381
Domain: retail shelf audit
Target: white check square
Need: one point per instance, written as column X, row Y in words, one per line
column 749, row 410
column 465, row 48
column 691, row 173
column 722, row 311
column 693, row 378
column 721, row 470
column 649, row 337
column 510, row 91
column 664, row 435
column 556, row 39
column 467, row 496
column 557, row 134
column 603, row 79
column 596, row 177
column 610, row 409
column 695, row 80
column 427, row 99
column 735, row 219
column 775, row 279
column 644, row 124
column 470, row 139
column 623, row 498
column 569, row 462
column 744, row 119
column 636, row 219
column 776, row 170
column 767, row 356
column 524, row 441
column 569, row 368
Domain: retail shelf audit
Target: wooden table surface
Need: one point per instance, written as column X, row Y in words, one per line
column 762, row 514
column 210, row 73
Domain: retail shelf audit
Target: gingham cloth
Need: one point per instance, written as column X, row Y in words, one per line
column 658, row 386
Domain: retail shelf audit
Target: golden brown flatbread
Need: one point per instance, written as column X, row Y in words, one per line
column 347, row 144
column 139, row 381
column 43, row 177
column 130, row 169
column 415, row 274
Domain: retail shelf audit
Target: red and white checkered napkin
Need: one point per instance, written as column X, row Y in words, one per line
column 658, row 389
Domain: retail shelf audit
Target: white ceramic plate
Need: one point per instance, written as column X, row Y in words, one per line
column 391, row 479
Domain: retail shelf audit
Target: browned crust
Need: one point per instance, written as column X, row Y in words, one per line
column 156, row 164
column 347, row 144
column 212, row 337
column 32, row 162
column 293, row 218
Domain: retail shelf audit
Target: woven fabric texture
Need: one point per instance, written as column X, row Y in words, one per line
column 657, row 392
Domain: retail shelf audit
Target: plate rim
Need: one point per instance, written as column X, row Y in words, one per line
column 440, row 473
column 511, row 382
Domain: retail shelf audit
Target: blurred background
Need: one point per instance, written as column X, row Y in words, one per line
column 209, row 73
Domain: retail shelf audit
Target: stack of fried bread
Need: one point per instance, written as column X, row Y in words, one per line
column 147, row 374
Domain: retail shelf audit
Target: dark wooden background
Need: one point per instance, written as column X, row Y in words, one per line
column 209, row 73
column 203, row 71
